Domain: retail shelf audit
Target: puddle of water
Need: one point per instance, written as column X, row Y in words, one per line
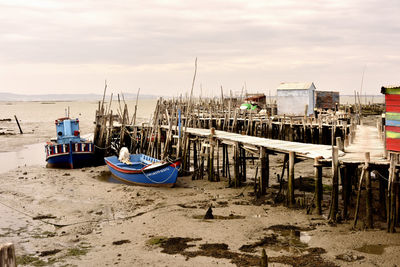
column 29, row 155
column 106, row 176
column 372, row 249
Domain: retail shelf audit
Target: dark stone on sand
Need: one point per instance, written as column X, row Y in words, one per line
column 49, row 252
column 120, row 242
column 46, row 216
column 209, row 214
column 66, row 174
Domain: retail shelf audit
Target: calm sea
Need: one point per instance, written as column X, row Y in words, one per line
column 47, row 112
column 37, row 121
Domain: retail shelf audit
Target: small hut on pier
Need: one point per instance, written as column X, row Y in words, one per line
column 295, row 99
column 326, row 99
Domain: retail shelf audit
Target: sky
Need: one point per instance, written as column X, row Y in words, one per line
column 73, row 46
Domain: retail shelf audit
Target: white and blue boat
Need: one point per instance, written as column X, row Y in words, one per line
column 144, row 170
column 69, row 150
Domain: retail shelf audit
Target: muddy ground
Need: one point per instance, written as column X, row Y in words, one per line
column 82, row 218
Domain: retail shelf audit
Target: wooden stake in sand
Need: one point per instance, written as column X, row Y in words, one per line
column 16, row 119
column 7, row 255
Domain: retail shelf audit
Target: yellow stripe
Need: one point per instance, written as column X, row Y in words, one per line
column 394, row 135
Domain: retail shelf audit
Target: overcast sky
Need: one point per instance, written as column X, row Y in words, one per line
column 72, row 46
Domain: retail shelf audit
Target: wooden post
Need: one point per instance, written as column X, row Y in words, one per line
column 347, row 173
column 211, row 156
column 335, row 184
column 217, row 173
column 392, row 193
column 236, row 163
column 264, row 163
column 243, row 164
column 382, row 191
column 320, row 136
column 264, row 259
column 318, row 186
column 19, row 126
column 369, row 211
column 339, row 143
column 7, row 255
column 195, row 163
column 290, row 191
column 358, row 197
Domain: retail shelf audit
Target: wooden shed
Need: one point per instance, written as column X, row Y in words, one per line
column 260, row 99
column 293, row 98
column 326, row 99
column 392, row 117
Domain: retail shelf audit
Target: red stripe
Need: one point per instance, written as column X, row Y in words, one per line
column 174, row 165
column 393, row 144
column 393, row 108
column 393, row 129
column 392, row 100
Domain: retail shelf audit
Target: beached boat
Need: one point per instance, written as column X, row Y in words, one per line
column 144, row 170
column 69, row 150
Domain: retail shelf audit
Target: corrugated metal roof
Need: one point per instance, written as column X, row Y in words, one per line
column 295, row 86
column 391, row 86
column 388, row 88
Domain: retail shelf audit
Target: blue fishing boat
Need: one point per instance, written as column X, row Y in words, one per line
column 69, row 150
column 141, row 169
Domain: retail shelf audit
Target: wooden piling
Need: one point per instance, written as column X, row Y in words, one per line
column 318, row 186
column 391, row 220
column 290, row 191
column 335, row 185
column 369, row 215
column 236, row 164
column 264, row 163
column 19, row 126
column 7, row 255
column 264, row 259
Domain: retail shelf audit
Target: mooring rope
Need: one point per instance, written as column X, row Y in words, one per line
column 87, row 221
column 167, row 177
column 102, row 147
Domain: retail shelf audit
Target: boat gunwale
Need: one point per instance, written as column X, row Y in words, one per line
column 145, row 169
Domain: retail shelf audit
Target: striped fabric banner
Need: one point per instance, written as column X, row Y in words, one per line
column 392, row 97
column 392, row 144
column 394, row 135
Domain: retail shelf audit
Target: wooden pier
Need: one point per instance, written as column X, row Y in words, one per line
column 216, row 140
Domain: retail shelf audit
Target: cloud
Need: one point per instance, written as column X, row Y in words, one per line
column 262, row 42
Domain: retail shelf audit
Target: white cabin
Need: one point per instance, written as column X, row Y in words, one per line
column 292, row 98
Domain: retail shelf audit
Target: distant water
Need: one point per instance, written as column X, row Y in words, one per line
column 48, row 111
column 41, row 116
column 349, row 99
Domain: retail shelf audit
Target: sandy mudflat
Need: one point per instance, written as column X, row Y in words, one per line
column 101, row 223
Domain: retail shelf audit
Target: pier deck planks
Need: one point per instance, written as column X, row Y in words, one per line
column 366, row 140
column 301, row 149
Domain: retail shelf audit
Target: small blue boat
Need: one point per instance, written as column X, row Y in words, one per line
column 69, row 150
column 144, row 170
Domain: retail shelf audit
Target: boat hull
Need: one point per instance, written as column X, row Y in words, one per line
column 61, row 156
column 155, row 174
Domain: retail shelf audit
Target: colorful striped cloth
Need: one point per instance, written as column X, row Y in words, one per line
column 392, row 99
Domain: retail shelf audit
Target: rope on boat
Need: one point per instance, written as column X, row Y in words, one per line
column 161, row 182
column 102, row 147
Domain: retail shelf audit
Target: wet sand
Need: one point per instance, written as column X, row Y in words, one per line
column 80, row 218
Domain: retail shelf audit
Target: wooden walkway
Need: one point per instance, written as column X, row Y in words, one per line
column 301, row 149
column 367, row 139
